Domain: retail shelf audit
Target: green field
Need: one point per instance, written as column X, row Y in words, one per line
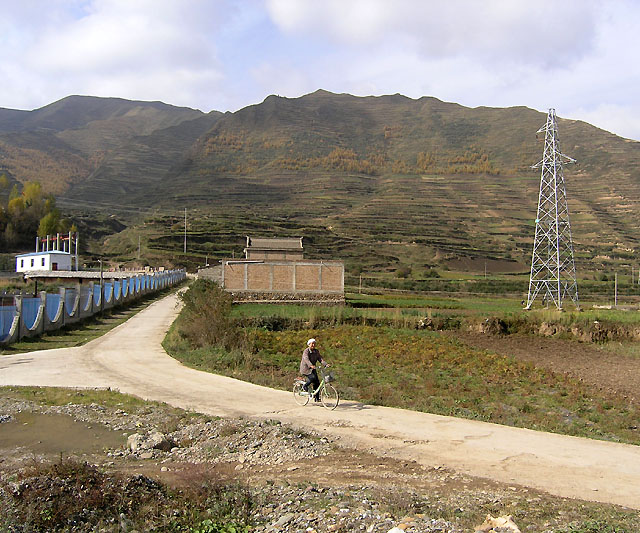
column 382, row 359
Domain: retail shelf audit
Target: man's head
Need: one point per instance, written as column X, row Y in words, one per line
column 311, row 343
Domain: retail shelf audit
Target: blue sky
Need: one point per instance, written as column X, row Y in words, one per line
column 578, row 56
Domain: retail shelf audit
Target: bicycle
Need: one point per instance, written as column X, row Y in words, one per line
column 329, row 396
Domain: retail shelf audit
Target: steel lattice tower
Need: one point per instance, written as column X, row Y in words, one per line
column 553, row 270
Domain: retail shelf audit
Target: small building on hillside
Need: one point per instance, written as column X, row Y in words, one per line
column 275, row 270
column 52, row 253
column 281, row 249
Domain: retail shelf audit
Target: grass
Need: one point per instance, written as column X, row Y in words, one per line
column 55, row 396
column 425, row 371
column 392, row 365
column 408, row 310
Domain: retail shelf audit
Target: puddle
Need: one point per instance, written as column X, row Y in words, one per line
column 44, row 434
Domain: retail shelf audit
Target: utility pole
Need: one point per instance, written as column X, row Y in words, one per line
column 615, row 292
column 138, row 246
column 553, row 270
column 185, row 230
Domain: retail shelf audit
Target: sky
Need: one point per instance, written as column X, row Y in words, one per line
column 577, row 56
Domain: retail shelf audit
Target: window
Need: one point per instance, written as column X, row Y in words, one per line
column 32, row 261
column 21, row 263
column 43, row 261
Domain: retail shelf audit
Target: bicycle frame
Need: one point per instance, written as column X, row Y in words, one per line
column 313, row 392
column 328, row 395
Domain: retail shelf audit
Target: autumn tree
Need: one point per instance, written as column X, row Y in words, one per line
column 29, row 211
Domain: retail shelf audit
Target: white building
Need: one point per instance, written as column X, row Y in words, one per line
column 43, row 261
column 52, row 253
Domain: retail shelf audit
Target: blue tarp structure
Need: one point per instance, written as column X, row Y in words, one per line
column 69, row 300
column 7, row 312
column 108, row 291
column 30, row 307
column 85, row 298
column 52, row 305
column 78, row 303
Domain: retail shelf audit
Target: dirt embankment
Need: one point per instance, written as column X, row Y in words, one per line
column 303, row 480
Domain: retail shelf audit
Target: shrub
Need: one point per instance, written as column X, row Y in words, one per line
column 403, row 271
column 205, row 320
column 75, row 496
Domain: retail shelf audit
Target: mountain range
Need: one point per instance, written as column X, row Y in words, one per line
column 377, row 181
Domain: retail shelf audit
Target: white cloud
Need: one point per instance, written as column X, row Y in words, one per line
column 612, row 117
column 575, row 55
column 546, row 32
column 147, row 49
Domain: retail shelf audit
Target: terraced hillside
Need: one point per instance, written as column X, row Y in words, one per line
column 422, row 182
column 97, row 146
column 377, row 181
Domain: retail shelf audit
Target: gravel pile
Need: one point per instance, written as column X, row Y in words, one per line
column 318, row 510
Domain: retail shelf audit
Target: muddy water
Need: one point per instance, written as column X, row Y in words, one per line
column 55, row 434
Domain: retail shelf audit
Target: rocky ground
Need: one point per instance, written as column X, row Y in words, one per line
column 304, row 482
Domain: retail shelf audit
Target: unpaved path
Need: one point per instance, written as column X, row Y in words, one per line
column 130, row 358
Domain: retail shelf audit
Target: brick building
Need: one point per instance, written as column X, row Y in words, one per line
column 276, row 270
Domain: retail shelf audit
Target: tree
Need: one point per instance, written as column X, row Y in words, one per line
column 16, row 206
column 15, row 192
column 32, row 193
column 27, row 212
column 49, row 224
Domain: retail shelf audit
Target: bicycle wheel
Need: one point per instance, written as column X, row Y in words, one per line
column 329, row 397
column 299, row 394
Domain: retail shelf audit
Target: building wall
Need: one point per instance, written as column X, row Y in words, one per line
column 284, row 276
column 42, row 261
column 275, row 255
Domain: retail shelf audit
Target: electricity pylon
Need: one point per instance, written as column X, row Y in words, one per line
column 553, row 270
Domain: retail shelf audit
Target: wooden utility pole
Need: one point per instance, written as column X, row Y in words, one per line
column 185, row 230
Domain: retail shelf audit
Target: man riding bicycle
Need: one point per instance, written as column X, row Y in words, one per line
column 310, row 358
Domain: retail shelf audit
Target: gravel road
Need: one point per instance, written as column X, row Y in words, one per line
column 131, row 359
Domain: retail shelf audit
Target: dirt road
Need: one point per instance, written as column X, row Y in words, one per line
column 131, row 359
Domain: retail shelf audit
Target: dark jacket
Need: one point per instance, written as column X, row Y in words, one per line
column 309, row 358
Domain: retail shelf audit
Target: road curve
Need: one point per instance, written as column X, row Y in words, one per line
column 131, row 359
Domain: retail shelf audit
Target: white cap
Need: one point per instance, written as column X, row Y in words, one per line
column 310, row 341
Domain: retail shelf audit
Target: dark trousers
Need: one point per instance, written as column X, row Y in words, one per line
column 312, row 379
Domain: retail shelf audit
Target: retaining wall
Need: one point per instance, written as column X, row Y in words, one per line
column 32, row 316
